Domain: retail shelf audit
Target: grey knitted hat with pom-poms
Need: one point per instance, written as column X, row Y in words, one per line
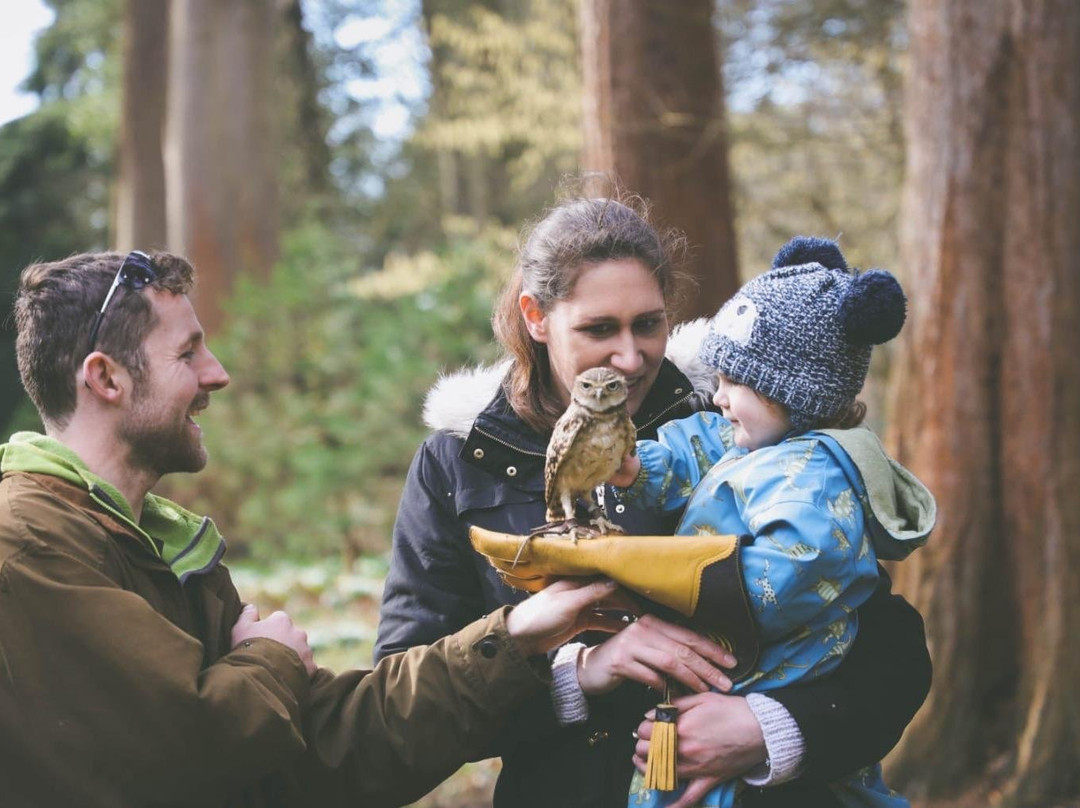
column 801, row 333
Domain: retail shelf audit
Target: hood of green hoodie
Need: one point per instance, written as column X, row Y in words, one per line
column 188, row 543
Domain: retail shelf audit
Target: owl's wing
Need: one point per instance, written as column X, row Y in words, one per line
column 560, row 448
column 631, row 435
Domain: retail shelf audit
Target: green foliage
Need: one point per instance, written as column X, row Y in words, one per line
column 53, row 198
column 313, row 438
column 814, row 105
column 508, row 87
column 78, row 55
column 55, row 163
column 502, row 122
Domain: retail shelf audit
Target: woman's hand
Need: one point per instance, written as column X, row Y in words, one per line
column 626, row 474
column 719, row 739
column 649, row 649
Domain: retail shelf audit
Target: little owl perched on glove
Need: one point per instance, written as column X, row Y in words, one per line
column 587, row 446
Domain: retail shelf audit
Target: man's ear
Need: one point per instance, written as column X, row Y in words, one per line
column 535, row 319
column 104, row 378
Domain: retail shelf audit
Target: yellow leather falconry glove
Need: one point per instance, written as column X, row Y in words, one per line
column 698, row 576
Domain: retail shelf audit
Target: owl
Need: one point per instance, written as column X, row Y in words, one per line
column 588, row 445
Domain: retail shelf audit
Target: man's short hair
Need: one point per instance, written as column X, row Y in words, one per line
column 55, row 308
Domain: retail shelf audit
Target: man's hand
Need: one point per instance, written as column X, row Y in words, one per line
column 649, row 649
column 719, row 738
column 561, row 611
column 625, row 475
column 278, row 626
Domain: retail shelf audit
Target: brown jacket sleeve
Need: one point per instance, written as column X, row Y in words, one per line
column 111, row 701
column 388, row 736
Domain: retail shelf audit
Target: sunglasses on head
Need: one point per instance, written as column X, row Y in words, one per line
column 136, row 272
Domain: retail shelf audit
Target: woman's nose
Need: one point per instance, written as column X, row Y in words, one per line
column 627, row 357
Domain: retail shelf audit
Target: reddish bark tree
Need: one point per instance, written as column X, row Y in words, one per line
column 221, row 148
column 140, row 193
column 987, row 394
column 654, row 120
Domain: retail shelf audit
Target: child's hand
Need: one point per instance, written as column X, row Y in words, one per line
column 626, row 474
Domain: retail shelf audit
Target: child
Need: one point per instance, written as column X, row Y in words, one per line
column 792, row 349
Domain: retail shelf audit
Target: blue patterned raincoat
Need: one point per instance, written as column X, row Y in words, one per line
column 822, row 507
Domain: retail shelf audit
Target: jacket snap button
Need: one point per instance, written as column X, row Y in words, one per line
column 620, row 508
column 511, row 471
column 478, row 454
column 488, row 648
column 596, row 737
column 678, row 391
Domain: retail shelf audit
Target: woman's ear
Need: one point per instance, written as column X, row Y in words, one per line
column 535, row 319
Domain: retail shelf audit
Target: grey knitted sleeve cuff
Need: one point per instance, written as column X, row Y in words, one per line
column 566, row 693
column 784, row 743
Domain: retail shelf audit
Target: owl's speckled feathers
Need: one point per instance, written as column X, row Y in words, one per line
column 588, row 444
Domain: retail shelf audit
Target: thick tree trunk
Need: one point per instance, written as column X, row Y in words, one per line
column 654, row 121
column 987, row 393
column 140, row 193
column 221, row 148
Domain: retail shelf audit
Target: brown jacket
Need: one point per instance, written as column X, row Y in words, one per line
column 118, row 686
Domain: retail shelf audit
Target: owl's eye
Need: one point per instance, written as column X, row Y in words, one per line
column 586, row 385
column 613, row 386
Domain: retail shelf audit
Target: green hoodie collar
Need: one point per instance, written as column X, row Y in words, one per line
column 188, row 543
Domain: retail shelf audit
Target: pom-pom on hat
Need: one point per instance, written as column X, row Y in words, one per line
column 801, row 333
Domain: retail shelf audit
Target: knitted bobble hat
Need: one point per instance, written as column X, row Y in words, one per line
column 801, row 333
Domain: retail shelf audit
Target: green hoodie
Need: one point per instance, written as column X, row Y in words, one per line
column 186, row 542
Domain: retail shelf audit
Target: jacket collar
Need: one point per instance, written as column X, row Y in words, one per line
column 459, row 400
column 188, row 543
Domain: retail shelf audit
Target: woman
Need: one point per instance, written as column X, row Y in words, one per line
column 593, row 286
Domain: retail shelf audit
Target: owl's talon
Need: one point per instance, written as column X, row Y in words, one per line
column 604, row 525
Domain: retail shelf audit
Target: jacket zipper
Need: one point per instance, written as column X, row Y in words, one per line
column 509, row 445
column 667, row 409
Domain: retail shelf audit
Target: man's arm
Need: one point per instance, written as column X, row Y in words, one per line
column 93, row 676
column 431, row 588
column 388, row 736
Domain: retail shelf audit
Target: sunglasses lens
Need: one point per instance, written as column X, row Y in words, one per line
column 136, row 271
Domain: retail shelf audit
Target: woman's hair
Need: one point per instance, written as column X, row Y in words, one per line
column 575, row 234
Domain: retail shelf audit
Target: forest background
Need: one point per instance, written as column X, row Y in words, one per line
column 351, row 178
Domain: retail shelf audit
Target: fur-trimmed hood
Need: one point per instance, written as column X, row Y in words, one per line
column 457, row 398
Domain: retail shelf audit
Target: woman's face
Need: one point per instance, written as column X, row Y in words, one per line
column 614, row 318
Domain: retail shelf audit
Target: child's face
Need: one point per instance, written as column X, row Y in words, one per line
column 757, row 420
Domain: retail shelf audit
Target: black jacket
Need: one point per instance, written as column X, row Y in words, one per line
column 494, row 477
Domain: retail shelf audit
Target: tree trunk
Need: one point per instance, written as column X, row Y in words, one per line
column 221, row 148
column 140, row 196
column 654, row 121
column 987, row 394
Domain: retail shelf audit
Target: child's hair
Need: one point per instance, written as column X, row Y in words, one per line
column 801, row 333
column 848, row 418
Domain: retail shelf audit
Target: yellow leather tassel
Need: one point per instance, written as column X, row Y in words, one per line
column 663, row 750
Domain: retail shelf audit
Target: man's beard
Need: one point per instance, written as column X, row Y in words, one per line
column 163, row 445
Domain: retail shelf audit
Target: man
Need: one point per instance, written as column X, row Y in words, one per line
column 130, row 672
